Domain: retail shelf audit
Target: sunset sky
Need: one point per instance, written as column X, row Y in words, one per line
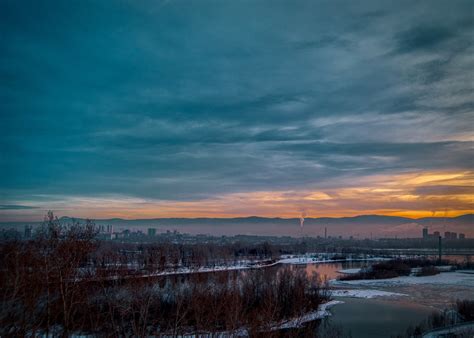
column 142, row 109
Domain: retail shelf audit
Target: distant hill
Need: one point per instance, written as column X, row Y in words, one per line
column 358, row 226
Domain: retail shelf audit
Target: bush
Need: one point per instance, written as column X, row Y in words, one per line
column 427, row 271
column 383, row 270
column 466, row 309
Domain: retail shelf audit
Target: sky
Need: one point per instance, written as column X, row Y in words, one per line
column 141, row 109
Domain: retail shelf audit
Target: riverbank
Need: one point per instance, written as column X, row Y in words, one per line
column 444, row 278
column 247, row 265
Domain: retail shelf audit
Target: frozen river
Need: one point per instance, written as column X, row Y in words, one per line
column 376, row 318
column 387, row 316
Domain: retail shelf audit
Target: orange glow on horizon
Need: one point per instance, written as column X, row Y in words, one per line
column 413, row 195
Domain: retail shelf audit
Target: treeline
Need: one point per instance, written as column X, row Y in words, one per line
column 396, row 268
column 65, row 282
column 167, row 256
column 255, row 301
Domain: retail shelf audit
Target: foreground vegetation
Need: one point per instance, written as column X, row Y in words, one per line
column 396, row 268
column 65, row 282
column 462, row 312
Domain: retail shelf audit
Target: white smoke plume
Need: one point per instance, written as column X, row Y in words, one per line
column 303, row 215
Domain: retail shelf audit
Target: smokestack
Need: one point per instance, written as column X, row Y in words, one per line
column 303, row 215
column 439, row 249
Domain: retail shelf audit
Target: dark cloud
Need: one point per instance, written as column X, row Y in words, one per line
column 180, row 100
column 422, row 38
column 15, row 207
column 445, row 190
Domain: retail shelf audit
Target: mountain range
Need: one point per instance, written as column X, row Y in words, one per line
column 358, row 226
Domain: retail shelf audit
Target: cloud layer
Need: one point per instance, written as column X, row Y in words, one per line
column 201, row 108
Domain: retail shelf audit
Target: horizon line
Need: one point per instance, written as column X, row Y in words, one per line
column 239, row 217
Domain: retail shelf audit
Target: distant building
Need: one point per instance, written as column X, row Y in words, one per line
column 425, row 233
column 28, row 231
column 462, row 236
column 110, row 229
column 436, row 234
column 450, row 235
column 151, row 232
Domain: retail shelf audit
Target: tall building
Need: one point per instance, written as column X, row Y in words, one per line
column 425, row 233
column 151, row 232
column 28, row 231
column 110, row 229
column 450, row 235
column 436, row 234
column 462, row 236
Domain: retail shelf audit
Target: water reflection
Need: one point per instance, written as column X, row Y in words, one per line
column 328, row 271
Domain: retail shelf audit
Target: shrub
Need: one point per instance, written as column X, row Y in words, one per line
column 466, row 309
column 383, row 270
column 427, row 271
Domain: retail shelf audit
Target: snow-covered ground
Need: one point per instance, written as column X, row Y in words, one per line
column 202, row 269
column 294, row 260
column 359, row 293
column 349, row 271
column 308, row 317
column 444, row 278
column 314, row 260
column 444, row 268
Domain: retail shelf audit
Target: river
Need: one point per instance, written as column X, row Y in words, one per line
column 386, row 316
column 376, row 318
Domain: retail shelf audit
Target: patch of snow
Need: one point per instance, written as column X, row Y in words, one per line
column 308, row 317
column 444, row 278
column 314, row 260
column 444, row 268
column 349, row 271
column 365, row 293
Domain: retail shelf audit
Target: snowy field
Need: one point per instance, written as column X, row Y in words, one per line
column 349, row 271
column 367, row 294
column 318, row 260
column 309, row 317
column 445, row 278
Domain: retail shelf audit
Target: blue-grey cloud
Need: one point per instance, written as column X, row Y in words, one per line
column 184, row 100
column 16, row 207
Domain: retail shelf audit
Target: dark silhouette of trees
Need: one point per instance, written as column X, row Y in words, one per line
column 41, row 279
column 64, row 281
